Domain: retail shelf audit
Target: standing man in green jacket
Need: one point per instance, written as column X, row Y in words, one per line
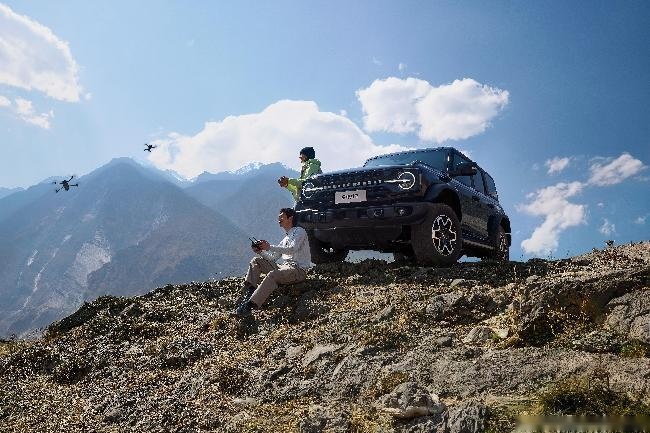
column 310, row 166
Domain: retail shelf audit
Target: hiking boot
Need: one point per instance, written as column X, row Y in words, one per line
column 243, row 310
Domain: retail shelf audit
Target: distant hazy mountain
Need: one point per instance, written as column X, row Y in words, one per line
column 13, row 202
column 249, row 197
column 8, row 191
column 123, row 230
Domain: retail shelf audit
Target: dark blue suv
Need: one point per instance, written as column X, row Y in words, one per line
column 432, row 205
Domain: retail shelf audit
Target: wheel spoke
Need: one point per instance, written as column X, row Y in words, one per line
column 443, row 235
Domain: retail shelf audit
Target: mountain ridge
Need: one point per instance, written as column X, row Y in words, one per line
column 55, row 245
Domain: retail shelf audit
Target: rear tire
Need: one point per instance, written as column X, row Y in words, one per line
column 438, row 241
column 322, row 253
column 501, row 251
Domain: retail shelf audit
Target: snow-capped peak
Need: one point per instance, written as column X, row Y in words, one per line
column 247, row 168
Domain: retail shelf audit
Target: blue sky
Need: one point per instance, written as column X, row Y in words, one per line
column 517, row 85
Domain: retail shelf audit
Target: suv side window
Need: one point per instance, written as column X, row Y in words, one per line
column 478, row 181
column 465, row 180
column 491, row 187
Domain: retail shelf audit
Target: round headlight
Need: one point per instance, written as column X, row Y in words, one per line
column 407, row 180
column 308, row 189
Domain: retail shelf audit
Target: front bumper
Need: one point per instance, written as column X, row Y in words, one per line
column 362, row 227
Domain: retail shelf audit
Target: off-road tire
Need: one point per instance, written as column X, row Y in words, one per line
column 322, row 253
column 501, row 251
column 437, row 241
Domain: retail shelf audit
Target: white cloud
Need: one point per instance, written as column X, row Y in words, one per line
column 552, row 203
column 4, row 102
column 32, row 57
column 376, row 61
column 343, row 113
column 401, row 67
column 640, row 220
column 559, row 214
column 25, row 111
column 453, row 111
column 274, row 135
column 557, row 164
column 607, row 228
column 615, row 171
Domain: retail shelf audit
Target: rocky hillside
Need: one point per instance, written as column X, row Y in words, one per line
column 365, row 347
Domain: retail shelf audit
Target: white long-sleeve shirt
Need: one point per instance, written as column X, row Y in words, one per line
column 294, row 249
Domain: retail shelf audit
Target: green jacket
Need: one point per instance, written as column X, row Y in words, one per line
column 309, row 167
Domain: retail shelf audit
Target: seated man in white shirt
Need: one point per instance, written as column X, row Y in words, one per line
column 293, row 249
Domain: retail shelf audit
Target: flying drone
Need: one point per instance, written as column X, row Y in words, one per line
column 149, row 147
column 65, row 184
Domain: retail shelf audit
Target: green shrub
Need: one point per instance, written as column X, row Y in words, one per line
column 579, row 397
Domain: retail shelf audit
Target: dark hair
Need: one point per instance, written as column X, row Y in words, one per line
column 290, row 213
column 309, row 152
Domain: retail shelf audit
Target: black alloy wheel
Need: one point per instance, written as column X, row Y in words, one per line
column 437, row 240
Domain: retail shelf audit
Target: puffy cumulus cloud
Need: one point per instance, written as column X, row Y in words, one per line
column 557, row 164
column 274, row 135
column 32, row 57
column 453, row 111
column 607, row 228
column 615, row 171
column 640, row 220
column 559, row 214
column 4, row 102
column 391, row 104
column 25, row 111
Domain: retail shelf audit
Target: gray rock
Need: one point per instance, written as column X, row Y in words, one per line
column 425, row 424
column 410, row 400
column 478, row 335
column 532, row 279
column 323, row 419
column 629, row 315
column 573, row 297
column 459, row 306
column 599, row 341
column 294, row 351
column 384, row 314
column 445, row 341
column 468, row 417
column 308, row 306
column 318, row 351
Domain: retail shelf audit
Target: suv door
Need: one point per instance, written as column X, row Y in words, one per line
column 491, row 198
column 474, row 221
column 486, row 205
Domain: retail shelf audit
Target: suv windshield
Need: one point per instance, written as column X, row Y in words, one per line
column 433, row 158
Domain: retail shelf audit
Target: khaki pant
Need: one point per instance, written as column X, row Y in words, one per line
column 282, row 274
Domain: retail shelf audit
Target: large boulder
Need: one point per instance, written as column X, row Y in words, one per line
column 410, row 400
column 549, row 305
column 629, row 315
column 467, row 417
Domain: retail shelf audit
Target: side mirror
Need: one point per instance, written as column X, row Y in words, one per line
column 465, row 169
